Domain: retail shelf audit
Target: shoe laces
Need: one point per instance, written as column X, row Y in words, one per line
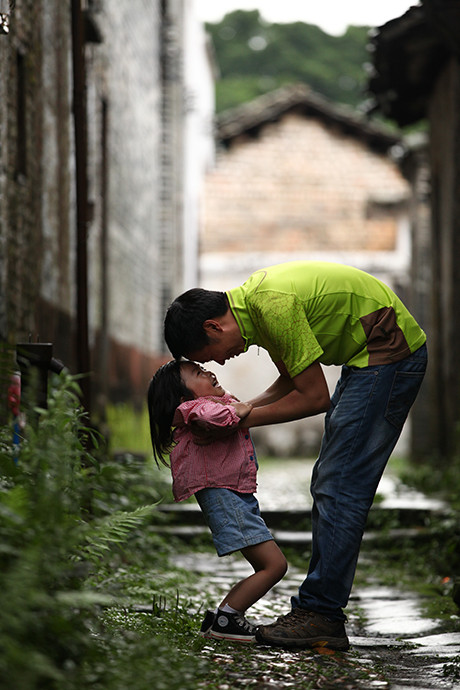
column 295, row 614
column 298, row 614
column 246, row 625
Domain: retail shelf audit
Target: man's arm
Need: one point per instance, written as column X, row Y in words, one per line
column 287, row 399
column 281, row 387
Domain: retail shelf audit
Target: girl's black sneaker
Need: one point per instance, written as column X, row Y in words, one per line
column 232, row 626
column 206, row 625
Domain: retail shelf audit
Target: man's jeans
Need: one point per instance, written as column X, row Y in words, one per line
column 367, row 413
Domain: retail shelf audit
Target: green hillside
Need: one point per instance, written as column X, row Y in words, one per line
column 254, row 57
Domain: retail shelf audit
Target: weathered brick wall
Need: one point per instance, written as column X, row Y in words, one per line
column 21, row 142
column 301, row 186
column 423, row 413
column 57, row 280
column 138, row 262
column 444, row 116
column 125, row 72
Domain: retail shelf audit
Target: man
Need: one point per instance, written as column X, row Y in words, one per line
column 305, row 314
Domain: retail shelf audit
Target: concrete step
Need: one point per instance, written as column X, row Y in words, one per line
column 386, row 524
column 381, row 516
column 301, row 540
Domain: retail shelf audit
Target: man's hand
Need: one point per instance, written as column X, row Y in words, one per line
column 242, row 409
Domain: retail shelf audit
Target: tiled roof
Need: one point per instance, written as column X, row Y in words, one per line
column 251, row 117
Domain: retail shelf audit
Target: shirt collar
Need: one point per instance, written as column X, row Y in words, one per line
column 236, row 299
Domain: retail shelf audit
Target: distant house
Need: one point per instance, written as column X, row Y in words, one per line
column 298, row 177
column 416, row 60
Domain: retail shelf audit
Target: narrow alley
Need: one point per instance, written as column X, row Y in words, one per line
column 395, row 643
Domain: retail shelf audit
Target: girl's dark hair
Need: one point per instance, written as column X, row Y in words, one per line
column 183, row 326
column 166, row 392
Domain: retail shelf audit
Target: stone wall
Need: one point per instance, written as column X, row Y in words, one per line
column 134, row 102
column 444, row 150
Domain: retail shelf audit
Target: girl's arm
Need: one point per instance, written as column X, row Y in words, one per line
column 211, row 420
column 209, row 413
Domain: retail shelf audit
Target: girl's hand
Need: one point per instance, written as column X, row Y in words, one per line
column 242, row 409
column 203, row 434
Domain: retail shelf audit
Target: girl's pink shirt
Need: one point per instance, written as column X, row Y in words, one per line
column 228, row 463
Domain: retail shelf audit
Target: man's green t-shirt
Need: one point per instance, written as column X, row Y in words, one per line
column 303, row 311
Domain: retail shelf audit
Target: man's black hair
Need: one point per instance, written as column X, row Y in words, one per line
column 183, row 327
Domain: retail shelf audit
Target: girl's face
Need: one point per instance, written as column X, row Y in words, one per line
column 200, row 381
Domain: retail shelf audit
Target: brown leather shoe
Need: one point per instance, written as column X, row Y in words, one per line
column 301, row 628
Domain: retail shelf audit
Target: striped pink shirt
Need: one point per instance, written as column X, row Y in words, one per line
column 228, row 463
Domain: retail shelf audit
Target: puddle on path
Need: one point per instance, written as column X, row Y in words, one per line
column 396, row 648
column 443, row 643
column 393, row 646
column 390, row 612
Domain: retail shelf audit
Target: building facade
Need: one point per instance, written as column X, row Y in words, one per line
column 416, row 80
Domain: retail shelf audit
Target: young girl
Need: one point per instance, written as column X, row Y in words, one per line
column 183, row 398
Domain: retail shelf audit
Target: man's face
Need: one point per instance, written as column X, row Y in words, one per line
column 224, row 344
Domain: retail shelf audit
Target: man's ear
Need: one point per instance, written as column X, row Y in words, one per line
column 212, row 326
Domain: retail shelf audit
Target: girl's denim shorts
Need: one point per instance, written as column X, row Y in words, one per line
column 233, row 518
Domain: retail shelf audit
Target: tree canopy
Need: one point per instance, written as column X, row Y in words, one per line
column 255, row 57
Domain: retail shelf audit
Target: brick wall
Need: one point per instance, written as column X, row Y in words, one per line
column 130, row 268
column 444, row 282
column 21, row 183
column 301, row 186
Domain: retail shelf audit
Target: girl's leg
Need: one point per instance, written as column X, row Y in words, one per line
column 269, row 566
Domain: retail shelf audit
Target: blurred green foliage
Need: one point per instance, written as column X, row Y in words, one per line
column 128, row 428
column 70, row 518
column 255, row 57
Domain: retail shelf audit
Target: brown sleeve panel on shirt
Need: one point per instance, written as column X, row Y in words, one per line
column 385, row 340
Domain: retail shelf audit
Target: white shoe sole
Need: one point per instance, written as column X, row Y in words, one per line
column 232, row 638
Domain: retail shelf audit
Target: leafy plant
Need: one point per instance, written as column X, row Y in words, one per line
column 112, row 529
column 452, row 669
column 50, row 540
column 128, row 428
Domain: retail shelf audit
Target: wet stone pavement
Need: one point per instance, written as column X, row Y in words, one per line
column 393, row 644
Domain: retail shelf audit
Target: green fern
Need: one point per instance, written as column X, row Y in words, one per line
column 111, row 529
column 50, row 539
